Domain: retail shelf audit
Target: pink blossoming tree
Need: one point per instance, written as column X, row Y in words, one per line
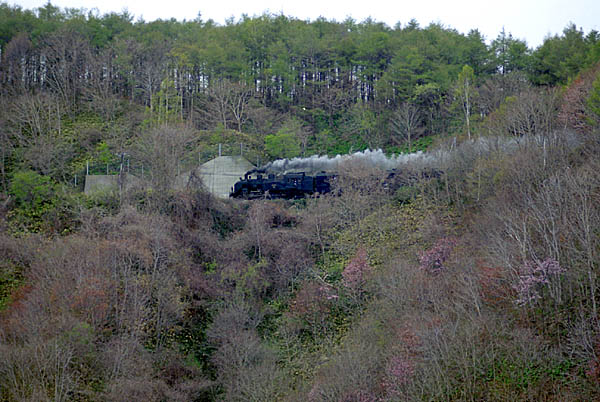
column 534, row 278
column 398, row 373
column 433, row 259
column 356, row 272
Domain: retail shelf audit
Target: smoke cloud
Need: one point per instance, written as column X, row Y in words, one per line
column 435, row 159
column 316, row 163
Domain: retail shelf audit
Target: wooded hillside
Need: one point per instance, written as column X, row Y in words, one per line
column 478, row 281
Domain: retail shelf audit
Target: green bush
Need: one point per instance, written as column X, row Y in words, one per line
column 11, row 278
column 41, row 205
column 282, row 145
column 419, row 145
column 31, row 190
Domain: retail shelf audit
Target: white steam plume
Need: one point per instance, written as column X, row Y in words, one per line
column 316, row 163
column 436, row 159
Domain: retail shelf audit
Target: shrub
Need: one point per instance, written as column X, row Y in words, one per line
column 398, row 373
column 355, row 273
column 312, row 306
column 433, row 259
column 30, row 189
column 534, row 276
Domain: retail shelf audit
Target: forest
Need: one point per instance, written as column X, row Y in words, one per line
column 477, row 283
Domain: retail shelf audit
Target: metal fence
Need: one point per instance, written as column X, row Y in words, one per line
column 193, row 159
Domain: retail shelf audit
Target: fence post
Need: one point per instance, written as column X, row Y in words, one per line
column 75, row 180
column 219, row 149
column 87, row 168
column 107, row 168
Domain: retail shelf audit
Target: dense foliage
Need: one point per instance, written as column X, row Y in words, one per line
column 344, row 84
column 478, row 281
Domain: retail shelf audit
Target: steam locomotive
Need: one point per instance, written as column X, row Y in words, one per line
column 259, row 184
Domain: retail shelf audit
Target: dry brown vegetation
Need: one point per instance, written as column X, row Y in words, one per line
column 476, row 278
column 365, row 295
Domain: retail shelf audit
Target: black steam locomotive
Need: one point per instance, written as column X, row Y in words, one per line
column 258, row 184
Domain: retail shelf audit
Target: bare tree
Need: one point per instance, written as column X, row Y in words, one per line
column 151, row 62
column 161, row 149
column 34, row 123
column 226, row 104
column 405, row 123
column 247, row 368
column 332, row 100
column 100, row 88
column 317, row 221
column 16, row 59
column 465, row 92
column 531, row 112
column 66, row 60
column 6, row 145
column 238, row 103
column 498, row 87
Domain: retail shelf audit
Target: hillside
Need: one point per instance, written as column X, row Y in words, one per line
column 478, row 281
